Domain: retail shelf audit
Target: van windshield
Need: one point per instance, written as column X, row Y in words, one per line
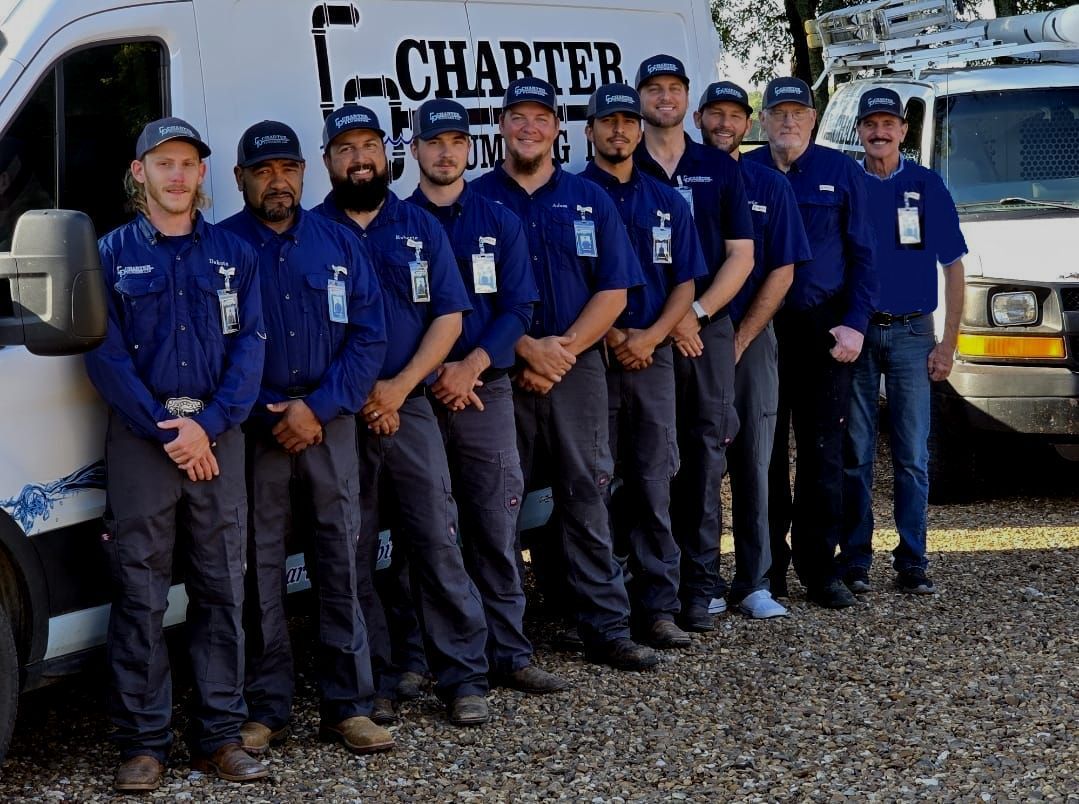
column 1010, row 148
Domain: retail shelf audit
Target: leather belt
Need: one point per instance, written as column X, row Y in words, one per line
column 887, row 319
column 493, row 374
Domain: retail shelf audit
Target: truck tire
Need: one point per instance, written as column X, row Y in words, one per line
column 9, row 682
column 953, row 456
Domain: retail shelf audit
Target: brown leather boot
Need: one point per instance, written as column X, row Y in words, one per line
column 138, row 774
column 359, row 734
column 255, row 738
column 231, row 763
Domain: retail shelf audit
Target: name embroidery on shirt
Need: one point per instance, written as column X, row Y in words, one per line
column 755, row 207
column 827, row 188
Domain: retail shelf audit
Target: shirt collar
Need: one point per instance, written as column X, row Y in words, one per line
column 892, row 175
column 511, row 182
column 608, row 181
column 263, row 233
column 388, row 214
column 458, row 206
column 154, row 237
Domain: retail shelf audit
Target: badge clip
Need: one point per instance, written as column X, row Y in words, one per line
column 228, row 273
column 584, row 210
column 486, row 241
column 417, row 245
column 663, row 218
column 338, row 270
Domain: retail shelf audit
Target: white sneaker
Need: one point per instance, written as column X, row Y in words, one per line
column 718, row 605
column 760, row 605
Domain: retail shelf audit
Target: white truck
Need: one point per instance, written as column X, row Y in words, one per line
column 77, row 82
column 993, row 106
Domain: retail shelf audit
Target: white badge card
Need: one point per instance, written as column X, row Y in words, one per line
column 661, row 245
column 421, row 283
column 584, row 233
column 910, row 230
column 229, row 302
column 338, row 302
column 687, row 194
column 483, row 273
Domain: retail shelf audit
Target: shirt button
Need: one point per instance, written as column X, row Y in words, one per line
column 295, row 371
column 534, row 258
column 533, row 224
column 291, row 333
column 183, row 327
column 177, row 258
column 281, row 259
column 287, row 296
column 183, row 363
column 180, row 292
column 136, row 347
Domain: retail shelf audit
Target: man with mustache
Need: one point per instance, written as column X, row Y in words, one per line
column 820, row 331
column 917, row 227
column 399, row 441
column 640, row 378
column 325, row 339
column 724, row 117
column 179, row 370
column 704, row 338
column 475, row 397
column 583, row 264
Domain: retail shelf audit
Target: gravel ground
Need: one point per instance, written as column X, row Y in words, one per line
column 964, row 696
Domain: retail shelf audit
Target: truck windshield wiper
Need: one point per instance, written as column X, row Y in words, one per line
column 1015, row 200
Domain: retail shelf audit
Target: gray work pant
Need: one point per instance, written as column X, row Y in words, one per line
column 486, row 471
column 326, row 477
column 707, row 423
column 146, row 495
column 570, row 425
column 756, row 398
column 644, row 442
column 411, row 469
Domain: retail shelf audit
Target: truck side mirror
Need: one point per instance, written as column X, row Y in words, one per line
column 52, row 290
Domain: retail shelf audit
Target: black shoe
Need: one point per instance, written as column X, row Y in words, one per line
column 624, row 654
column 568, row 639
column 835, row 595
column 778, row 587
column 857, row 580
column 915, row 582
column 697, row 620
column 469, row 710
column 383, row 712
column 532, row 680
column 411, row 686
column 665, row 634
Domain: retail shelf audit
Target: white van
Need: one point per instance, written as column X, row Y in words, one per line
column 1005, row 139
column 77, row 82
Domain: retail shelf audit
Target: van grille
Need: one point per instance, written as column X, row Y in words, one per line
column 1069, row 298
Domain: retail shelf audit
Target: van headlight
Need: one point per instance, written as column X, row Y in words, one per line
column 1014, row 308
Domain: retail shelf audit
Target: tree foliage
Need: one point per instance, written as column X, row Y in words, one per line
column 769, row 35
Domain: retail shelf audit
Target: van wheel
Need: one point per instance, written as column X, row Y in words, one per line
column 9, row 682
column 953, row 457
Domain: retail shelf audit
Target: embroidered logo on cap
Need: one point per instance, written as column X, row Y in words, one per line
column 666, row 66
column 165, row 131
column 271, row 139
column 352, row 118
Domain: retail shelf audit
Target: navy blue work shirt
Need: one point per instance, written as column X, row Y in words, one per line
column 165, row 335
column 831, row 193
column 386, row 240
column 908, row 271
column 720, row 208
column 332, row 365
column 566, row 282
column 498, row 318
column 779, row 237
column 638, row 201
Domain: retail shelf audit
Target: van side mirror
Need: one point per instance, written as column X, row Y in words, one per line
column 52, row 290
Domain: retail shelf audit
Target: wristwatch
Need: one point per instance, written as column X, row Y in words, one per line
column 702, row 317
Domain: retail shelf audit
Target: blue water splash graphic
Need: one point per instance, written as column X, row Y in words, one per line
column 36, row 500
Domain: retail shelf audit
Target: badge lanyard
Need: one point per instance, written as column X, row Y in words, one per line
column 335, row 295
column 661, row 239
column 584, row 232
column 229, row 303
column 686, row 193
column 484, row 279
column 910, row 230
column 417, row 269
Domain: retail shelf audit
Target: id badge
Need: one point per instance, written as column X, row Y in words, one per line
column 335, row 297
column 687, row 194
column 483, row 273
column 661, row 245
column 229, row 302
column 585, row 234
column 910, row 230
column 421, row 285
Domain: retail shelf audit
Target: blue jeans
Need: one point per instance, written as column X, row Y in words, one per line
column 900, row 354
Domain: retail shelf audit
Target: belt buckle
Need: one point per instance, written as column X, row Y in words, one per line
column 184, row 406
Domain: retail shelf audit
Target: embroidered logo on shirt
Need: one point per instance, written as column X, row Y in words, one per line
column 697, row 179
column 124, row 270
column 753, row 205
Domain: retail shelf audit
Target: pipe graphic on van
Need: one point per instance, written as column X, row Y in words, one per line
column 37, row 500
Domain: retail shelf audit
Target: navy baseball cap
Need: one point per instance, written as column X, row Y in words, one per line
column 349, row 118
column 725, row 92
column 267, row 140
column 880, row 100
column 787, row 90
column 530, row 89
column 165, row 129
column 439, row 115
column 660, row 64
column 611, row 98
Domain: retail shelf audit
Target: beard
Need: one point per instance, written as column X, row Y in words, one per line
column 529, row 167
column 443, row 180
column 364, row 197
column 272, row 213
column 614, row 157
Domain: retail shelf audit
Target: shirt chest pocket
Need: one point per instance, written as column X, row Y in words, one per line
column 561, row 243
column 206, row 307
column 146, row 313
column 316, row 301
column 823, row 208
column 395, row 277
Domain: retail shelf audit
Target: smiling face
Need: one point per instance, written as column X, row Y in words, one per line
column 359, row 172
column 881, row 135
column 723, row 125
column 529, row 130
column 172, row 174
column 664, row 101
column 614, row 136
